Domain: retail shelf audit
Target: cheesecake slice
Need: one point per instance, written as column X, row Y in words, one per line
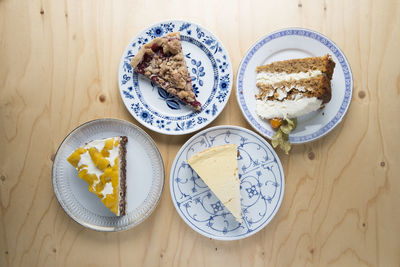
column 102, row 164
column 218, row 167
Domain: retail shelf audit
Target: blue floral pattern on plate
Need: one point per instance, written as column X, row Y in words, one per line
column 210, row 69
column 319, row 125
column 261, row 177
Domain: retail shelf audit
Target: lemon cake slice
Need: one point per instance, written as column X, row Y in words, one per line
column 218, row 168
column 102, row 164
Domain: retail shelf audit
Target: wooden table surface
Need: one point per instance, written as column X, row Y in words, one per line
column 58, row 69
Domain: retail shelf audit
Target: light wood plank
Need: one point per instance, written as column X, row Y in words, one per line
column 58, row 58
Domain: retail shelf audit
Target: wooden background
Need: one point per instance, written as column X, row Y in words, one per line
column 58, row 69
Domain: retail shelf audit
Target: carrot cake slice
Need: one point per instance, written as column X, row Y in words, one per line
column 292, row 88
column 102, row 164
column 162, row 61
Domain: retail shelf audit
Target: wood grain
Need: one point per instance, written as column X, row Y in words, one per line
column 58, row 69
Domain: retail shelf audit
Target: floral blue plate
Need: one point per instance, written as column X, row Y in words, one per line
column 288, row 44
column 211, row 71
column 261, row 177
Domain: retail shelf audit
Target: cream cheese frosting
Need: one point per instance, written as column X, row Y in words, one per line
column 268, row 78
column 287, row 108
column 108, row 189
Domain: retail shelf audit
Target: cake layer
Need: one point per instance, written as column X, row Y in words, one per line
column 325, row 64
column 317, row 86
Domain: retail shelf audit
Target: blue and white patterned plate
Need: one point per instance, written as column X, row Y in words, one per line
column 210, row 69
column 287, row 44
column 261, row 177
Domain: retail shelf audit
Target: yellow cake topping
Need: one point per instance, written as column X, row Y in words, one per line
column 98, row 164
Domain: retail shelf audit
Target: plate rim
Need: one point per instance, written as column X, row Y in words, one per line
column 222, row 105
column 344, row 59
column 97, row 227
column 278, row 205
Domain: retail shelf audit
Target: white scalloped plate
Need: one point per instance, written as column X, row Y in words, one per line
column 145, row 177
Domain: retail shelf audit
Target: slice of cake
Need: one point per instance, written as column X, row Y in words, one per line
column 218, row 168
column 102, row 164
column 292, row 88
column 162, row 61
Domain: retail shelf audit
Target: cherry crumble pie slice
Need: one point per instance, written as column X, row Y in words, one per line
column 162, row 61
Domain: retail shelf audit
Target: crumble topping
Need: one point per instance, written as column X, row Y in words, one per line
column 162, row 61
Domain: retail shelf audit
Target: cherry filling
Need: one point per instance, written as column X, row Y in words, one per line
column 155, row 47
column 194, row 103
column 155, row 79
column 143, row 64
column 158, row 50
column 140, row 68
column 147, row 58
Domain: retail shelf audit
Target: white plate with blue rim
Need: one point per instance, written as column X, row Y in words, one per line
column 144, row 175
column 262, row 185
column 211, row 71
column 289, row 44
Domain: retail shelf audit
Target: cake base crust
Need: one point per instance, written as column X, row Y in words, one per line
column 122, row 174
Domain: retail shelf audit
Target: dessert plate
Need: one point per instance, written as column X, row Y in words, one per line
column 145, row 177
column 261, row 177
column 209, row 66
column 288, row 44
